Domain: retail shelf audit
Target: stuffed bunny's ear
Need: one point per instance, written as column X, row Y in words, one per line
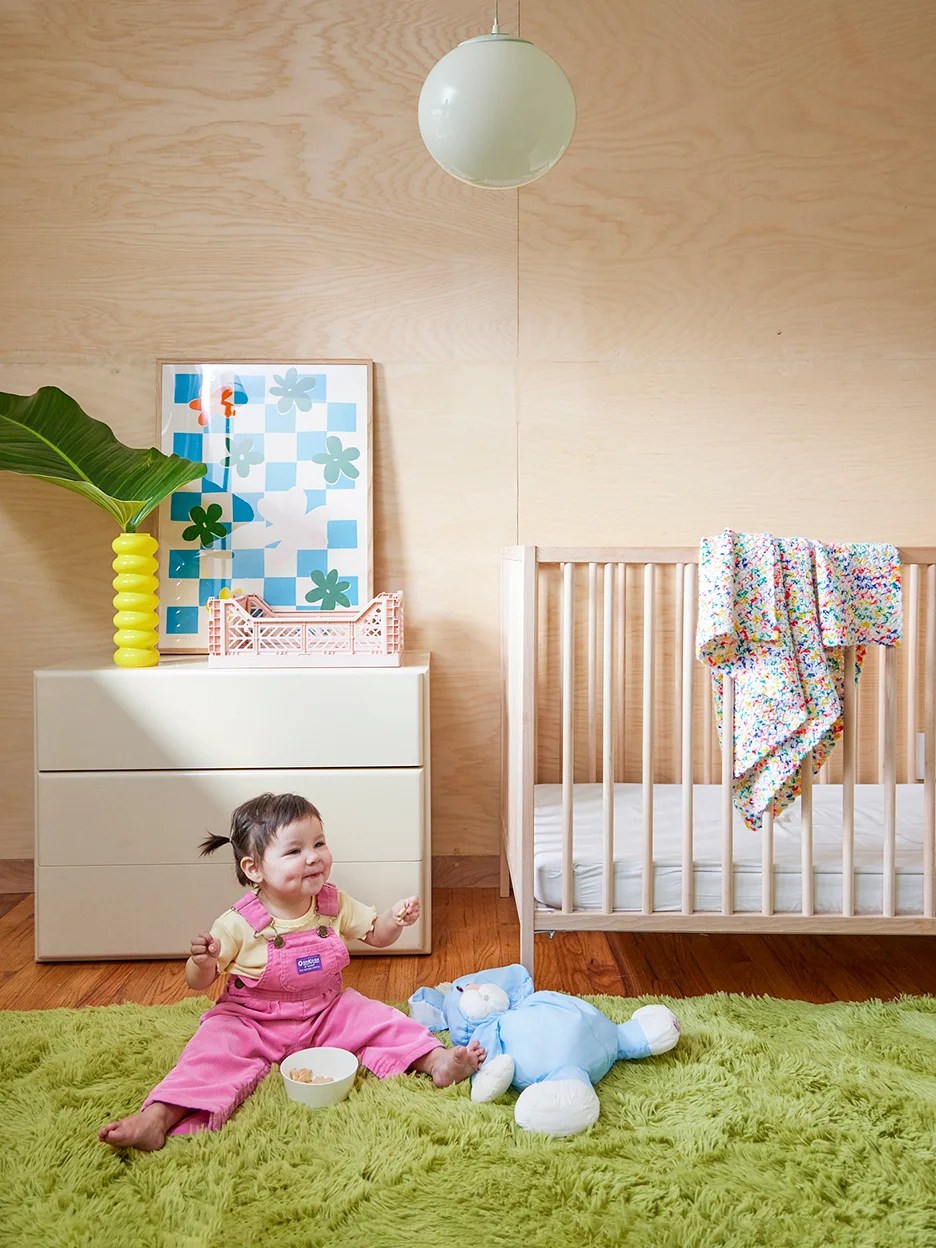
column 425, row 1005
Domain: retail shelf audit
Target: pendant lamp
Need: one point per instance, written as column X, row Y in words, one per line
column 496, row 111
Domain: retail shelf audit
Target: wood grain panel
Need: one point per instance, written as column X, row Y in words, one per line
column 747, row 180
column 662, row 454
column 249, row 183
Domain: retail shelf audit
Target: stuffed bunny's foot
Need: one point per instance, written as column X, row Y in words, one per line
column 558, row 1107
column 493, row 1079
column 660, row 1026
column 651, row 1030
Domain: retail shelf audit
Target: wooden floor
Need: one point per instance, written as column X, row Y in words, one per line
column 475, row 928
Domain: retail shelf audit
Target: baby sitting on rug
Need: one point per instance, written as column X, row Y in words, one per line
column 283, row 945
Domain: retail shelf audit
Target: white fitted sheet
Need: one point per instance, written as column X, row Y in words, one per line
column 588, row 850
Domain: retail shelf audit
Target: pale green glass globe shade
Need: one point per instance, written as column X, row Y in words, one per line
column 496, row 111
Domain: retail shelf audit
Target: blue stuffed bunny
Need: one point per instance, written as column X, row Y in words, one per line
column 550, row 1046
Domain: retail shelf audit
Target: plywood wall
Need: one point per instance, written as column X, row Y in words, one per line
column 726, row 286
column 716, row 310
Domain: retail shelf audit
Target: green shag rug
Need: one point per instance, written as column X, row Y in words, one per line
column 773, row 1123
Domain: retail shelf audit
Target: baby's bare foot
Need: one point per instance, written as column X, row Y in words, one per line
column 146, row 1130
column 448, row 1066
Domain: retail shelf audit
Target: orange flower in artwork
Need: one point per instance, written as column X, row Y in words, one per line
column 225, row 400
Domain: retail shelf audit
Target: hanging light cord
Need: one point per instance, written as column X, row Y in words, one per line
column 495, row 29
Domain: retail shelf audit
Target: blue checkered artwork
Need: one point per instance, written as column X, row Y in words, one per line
column 283, row 510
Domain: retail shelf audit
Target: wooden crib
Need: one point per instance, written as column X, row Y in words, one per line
column 617, row 811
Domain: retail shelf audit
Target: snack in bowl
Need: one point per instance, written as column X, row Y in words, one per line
column 302, row 1074
column 318, row 1078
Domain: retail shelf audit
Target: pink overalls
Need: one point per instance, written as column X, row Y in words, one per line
column 297, row 1003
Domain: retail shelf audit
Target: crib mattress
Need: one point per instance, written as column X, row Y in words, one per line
column 588, row 850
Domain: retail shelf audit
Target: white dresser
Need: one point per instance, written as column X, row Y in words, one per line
column 134, row 768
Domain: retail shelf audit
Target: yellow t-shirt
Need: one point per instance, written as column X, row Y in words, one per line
column 244, row 952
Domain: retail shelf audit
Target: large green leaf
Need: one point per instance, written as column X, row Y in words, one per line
column 48, row 436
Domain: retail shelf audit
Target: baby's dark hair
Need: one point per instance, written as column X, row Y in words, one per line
column 255, row 823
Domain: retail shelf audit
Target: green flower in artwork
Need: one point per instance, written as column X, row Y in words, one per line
column 292, row 391
column 329, row 590
column 241, row 455
column 207, row 525
column 338, row 460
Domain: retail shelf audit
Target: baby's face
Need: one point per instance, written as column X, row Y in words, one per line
column 297, row 862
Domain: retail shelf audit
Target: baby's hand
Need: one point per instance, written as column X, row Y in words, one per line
column 205, row 948
column 406, row 912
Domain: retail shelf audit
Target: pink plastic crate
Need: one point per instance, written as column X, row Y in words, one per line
column 246, row 632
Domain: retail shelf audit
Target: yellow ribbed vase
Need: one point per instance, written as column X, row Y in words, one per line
column 135, row 600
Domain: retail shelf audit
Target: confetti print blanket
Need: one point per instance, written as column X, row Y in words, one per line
column 775, row 613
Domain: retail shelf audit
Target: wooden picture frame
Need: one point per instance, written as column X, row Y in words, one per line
column 285, row 508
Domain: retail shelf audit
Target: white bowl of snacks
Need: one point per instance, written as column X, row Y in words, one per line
column 318, row 1077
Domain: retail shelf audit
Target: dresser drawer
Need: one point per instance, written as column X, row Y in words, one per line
column 181, row 714
column 142, row 818
column 154, row 911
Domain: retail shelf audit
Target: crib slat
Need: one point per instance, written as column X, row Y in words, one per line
column 890, row 780
column 546, row 635
column 910, row 647
column 568, row 730
column 620, row 583
column 678, row 665
column 806, row 833
column 592, row 671
column 849, row 744
column 698, row 669
column 607, row 737
column 727, row 863
column 647, row 747
column 685, row 771
column 707, row 727
column 767, row 873
column 882, row 712
column 929, row 746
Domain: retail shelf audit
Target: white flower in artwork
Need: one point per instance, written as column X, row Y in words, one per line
column 285, row 526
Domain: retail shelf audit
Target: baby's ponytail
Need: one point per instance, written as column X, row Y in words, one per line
column 211, row 843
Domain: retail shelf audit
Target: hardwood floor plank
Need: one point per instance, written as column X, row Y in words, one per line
column 369, row 976
column 805, row 968
column 885, row 966
column 9, row 900
column 16, row 927
column 475, row 928
column 577, row 958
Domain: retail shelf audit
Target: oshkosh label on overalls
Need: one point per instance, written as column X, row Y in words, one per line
column 311, row 963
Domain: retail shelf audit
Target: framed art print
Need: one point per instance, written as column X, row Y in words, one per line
column 284, row 510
